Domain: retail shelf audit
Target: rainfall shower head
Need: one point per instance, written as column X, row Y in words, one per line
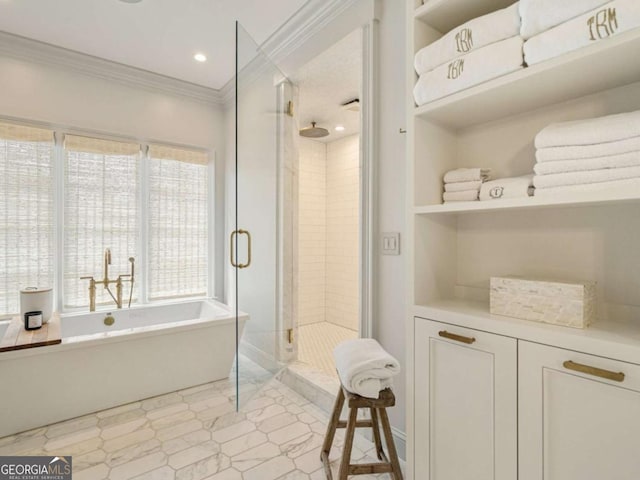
column 313, row 131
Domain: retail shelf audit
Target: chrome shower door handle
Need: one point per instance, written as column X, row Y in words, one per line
column 232, row 249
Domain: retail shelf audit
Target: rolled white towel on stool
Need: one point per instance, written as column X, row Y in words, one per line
column 541, row 15
column 512, row 187
column 601, row 23
column 579, row 152
column 591, row 131
column 466, row 175
column 472, row 35
column 364, row 367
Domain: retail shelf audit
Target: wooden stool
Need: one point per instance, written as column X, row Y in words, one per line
column 378, row 410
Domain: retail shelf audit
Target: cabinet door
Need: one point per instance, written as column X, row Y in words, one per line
column 465, row 404
column 575, row 423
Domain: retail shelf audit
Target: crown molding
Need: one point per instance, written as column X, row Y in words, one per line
column 22, row 48
column 310, row 19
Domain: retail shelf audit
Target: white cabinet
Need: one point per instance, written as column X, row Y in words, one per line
column 466, row 404
column 578, row 420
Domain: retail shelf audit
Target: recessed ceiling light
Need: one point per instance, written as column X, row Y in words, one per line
column 200, row 57
column 339, row 128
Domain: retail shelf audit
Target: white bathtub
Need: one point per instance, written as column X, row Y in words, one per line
column 148, row 351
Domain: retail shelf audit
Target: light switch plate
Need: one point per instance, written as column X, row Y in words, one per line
column 391, row 243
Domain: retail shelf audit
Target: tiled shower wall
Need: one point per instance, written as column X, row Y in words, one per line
column 328, row 232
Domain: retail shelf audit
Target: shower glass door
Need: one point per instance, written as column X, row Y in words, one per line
column 261, row 236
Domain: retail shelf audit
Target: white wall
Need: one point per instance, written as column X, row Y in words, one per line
column 343, row 232
column 312, row 231
column 53, row 95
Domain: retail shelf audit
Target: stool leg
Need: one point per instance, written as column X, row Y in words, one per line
column 333, row 424
column 376, row 432
column 348, row 444
column 393, row 454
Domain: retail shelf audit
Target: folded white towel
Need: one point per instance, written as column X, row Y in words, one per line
column 603, row 22
column 469, row 36
column 598, row 163
column 466, row 175
column 591, row 131
column 512, row 187
column 364, row 367
column 479, row 66
column 591, row 176
column 541, row 15
column 580, row 152
column 618, row 187
column 462, row 186
column 464, row 196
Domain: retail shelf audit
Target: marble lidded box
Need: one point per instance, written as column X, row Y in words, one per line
column 554, row 302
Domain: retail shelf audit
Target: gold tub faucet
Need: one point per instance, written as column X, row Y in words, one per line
column 106, row 282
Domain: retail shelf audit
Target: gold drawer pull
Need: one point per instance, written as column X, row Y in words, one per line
column 597, row 372
column 457, row 338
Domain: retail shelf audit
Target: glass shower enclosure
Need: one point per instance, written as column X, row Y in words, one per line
column 261, row 232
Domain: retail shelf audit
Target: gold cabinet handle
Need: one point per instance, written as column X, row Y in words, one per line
column 232, row 249
column 457, row 338
column 596, row 372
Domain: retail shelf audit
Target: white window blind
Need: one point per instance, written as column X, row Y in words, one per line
column 26, row 212
column 178, row 226
column 101, row 211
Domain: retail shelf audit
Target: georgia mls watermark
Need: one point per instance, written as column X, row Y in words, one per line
column 35, row 468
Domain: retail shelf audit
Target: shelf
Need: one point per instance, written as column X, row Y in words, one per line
column 602, row 66
column 620, row 341
column 444, row 15
column 529, row 203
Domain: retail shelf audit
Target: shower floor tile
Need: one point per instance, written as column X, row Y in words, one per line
column 196, row 434
column 317, row 341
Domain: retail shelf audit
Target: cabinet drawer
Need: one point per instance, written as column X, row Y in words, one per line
column 465, row 403
column 579, row 415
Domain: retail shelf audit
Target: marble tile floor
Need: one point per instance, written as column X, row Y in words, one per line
column 195, row 434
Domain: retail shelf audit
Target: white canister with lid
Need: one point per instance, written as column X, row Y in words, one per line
column 37, row 299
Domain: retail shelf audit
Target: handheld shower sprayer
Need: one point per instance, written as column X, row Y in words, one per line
column 132, row 278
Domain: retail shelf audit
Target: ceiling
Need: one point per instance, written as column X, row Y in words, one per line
column 160, row 36
column 328, row 81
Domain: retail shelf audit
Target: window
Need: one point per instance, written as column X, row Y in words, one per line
column 100, row 211
column 178, row 206
column 26, row 212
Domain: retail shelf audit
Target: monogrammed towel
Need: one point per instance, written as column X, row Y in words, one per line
column 601, row 23
column 479, row 66
column 591, row 131
column 631, row 159
column 514, row 187
column 541, row 15
column 474, row 34
column 580, row 152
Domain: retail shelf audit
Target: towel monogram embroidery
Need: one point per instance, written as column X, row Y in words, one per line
column 455, row 69
column 496, row 192
column 603, row 24
column 464, row 40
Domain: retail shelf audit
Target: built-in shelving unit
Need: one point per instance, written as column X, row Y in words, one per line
column 454, row 248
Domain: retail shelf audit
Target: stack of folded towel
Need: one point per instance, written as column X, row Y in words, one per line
column 479, row 50
column 552, row 27
column 364, row 367
column 463, row 184
column 589, row 155
column 513, row 187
